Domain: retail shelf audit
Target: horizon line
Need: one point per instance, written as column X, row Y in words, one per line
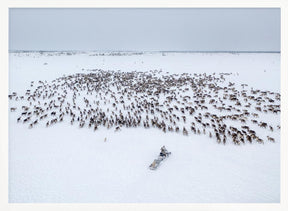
column 135, row 51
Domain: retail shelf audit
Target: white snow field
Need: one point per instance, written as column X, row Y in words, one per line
column 63, row 163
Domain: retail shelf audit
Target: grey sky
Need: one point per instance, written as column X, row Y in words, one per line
column 145, row 29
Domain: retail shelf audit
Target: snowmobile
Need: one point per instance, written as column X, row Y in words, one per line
column 163, row 155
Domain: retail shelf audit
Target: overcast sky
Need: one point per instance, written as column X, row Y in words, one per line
column 145, row 29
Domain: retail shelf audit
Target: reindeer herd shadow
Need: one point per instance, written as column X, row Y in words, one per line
column 184, row 103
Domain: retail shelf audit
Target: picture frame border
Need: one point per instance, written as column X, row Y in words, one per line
column 4, row 83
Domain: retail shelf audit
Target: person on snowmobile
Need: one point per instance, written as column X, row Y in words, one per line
column 163, row 152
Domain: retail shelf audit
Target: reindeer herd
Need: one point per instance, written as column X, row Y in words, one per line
column 188, row 104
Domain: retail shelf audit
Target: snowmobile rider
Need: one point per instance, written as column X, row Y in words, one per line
column 163, row 152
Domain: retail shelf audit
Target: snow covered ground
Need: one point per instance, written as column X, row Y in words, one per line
column 64, row 163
